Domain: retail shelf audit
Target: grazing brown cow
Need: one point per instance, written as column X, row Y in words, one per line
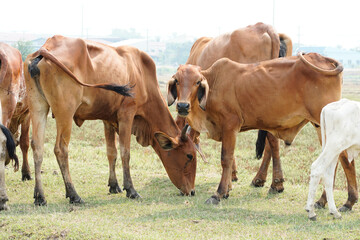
column 254, row 43
column 13, row 99
column 279, row 95
column 64, row 75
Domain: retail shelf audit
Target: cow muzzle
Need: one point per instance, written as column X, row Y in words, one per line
column 183, row 108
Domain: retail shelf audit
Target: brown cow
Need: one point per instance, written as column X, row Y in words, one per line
column 279, row 95
column 254, row 43
column 55, row 77
column 13, row 99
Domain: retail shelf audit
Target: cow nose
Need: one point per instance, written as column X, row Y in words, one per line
column 183, row 106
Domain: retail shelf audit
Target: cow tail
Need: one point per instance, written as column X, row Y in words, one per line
column 323, row 129
column 124, row 90
column 260, row 143
column 10, row 146
column 4, row 65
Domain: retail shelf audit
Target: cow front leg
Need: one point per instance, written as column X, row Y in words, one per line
column 261, row 175
column 227, row 159
column 111, row 155
column 24, row 146
column 63, row 126
column 124, row 141
column 315, row 175
column 278, row 178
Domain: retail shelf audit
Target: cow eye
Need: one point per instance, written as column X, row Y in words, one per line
column 176, row 81
column 198, row 82
column 189, row 156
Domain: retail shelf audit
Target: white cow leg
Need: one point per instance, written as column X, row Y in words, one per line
column 329, row 188
column 314, row 182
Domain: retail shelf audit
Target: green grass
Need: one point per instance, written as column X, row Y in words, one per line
column 249, row 213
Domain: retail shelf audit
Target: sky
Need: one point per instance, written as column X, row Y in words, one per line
column 311, row 22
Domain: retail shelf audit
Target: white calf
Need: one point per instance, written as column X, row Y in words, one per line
column 340, row 130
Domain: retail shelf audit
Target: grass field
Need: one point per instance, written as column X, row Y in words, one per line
column 249, row 213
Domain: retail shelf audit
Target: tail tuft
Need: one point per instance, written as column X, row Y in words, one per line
column 32, row 68
column 125, row 90
column 10, row 146
column 260, row 143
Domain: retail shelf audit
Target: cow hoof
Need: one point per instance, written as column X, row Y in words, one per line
column 273, row 190
column 115, row 189
column 336, row 215
column 4, row 207
column 26, row 177
column 257, row 183
column 76, row 200
column 214, row 200
column 132, row 194
column 40, row 201
column 319, row 205
column 344, row 209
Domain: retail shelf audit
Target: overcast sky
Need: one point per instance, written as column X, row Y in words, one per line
column 316, row 22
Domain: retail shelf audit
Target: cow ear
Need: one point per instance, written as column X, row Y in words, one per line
column 172, row 93
column 166, row 142
column 202, row 93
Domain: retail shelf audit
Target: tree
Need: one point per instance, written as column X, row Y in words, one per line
column 25, row 48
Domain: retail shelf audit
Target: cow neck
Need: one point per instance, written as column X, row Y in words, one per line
column 159, row 117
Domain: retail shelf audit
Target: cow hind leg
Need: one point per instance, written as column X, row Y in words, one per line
column 63, row 126
column 350, row 173
column 3, row 195
column 39, row 117
column 111, row 155
column 24, row 146
column 329, row 186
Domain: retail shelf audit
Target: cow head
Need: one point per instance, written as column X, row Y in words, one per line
column 179, row 159
column 189, row 86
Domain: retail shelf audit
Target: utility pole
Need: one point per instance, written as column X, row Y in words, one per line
column 82, row 21
column 273, row 13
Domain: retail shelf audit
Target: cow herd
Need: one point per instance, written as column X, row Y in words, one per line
column 235, row 82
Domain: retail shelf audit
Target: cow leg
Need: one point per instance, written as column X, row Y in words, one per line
column 63, row 126
column 278, row 178
column 227, row 159
column 315, row 175
column 261, row 175
column 111, row 155
column 24, row 145
column 350, row 173
column 124, row 140
column 329, row 186
column 3, row 195
column 38, row 118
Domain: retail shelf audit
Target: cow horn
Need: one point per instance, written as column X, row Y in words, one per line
column 339, row 68
column 184, row 132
